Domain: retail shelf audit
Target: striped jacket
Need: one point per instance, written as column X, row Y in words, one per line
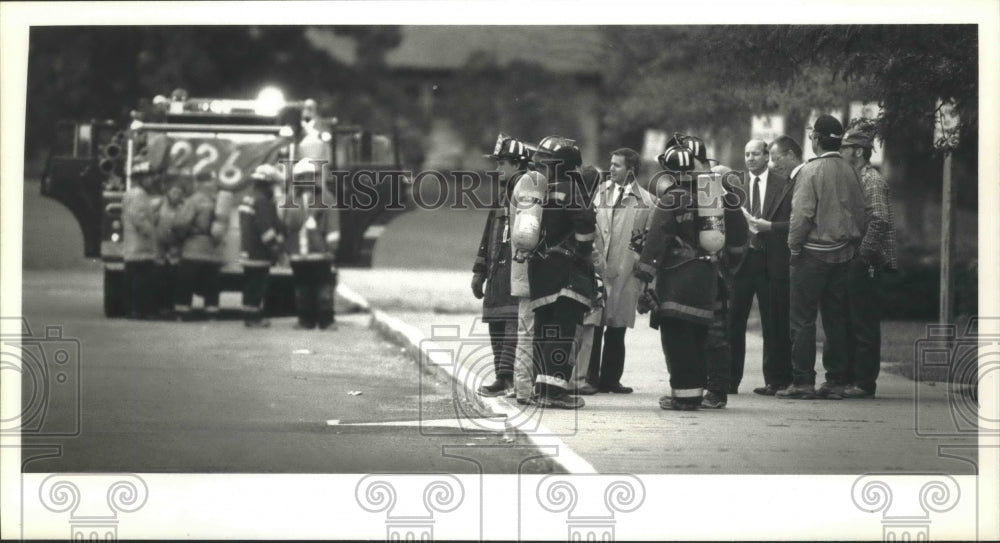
column 260, row 228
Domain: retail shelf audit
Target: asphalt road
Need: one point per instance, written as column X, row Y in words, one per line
column 215, row 397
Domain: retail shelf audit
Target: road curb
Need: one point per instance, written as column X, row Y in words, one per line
column 433, row 359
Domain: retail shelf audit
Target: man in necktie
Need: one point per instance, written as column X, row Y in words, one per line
column 623, row 208
column 785, row 157
column 765, row 188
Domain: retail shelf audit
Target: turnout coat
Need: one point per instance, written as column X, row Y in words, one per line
column 309, row 234
column 139, row 226
column 687, row 276
column 494, row 261
column 193, row 225
column 260, row 228
column 562, row 266
column 614, row 234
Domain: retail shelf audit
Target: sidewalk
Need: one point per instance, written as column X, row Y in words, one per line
column 753, row 435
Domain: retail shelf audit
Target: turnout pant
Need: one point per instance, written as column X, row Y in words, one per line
column 864, row 335
column 314, row 290
column 718, row 359
column 555, row 329
column 254, row 288
column 503, row 338
column 141, row 277
column 524, row 361
column 683, row 344
column 607, row 364
column 583, row 345
column 201, row 276
column 816, row 284
column 168, row 285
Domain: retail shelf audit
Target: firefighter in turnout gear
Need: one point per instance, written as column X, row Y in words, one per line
column 560, row 271
column 201, row 260
column 141, row 250
column 493, row 267
column 169, row 247
column 682, row 253
column 309, row 233
column 260, row 242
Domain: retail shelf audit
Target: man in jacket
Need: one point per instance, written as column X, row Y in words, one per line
column 876, row 255
column 309, row 233
column 560, row 272
column 493, row 266
column 827, row 222
column 622, row 209
column 201, row 260
column 260, row 242
column 140, row 251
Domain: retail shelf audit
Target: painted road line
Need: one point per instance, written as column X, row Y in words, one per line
column 353, row 297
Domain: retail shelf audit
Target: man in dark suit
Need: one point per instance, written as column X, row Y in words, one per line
column 785, row 162
column 764, row 268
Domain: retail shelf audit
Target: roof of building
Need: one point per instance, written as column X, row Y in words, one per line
column 563, row 49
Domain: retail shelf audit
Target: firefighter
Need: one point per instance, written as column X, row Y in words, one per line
column 682, row 251
column 260, row 240
column 309, row 233
column 493, row 267
column 200, row 262
column 560, row 271
column 170, row 250
column 140, row 252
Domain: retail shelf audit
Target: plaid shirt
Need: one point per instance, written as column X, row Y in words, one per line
column 880, row 236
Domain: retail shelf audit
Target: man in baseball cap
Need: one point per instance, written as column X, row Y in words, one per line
column 825, row 231
column 876, row 255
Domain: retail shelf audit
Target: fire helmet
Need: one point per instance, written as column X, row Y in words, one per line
column 510, row 148
column 677, row 158
column 266, row 172
column 560, row 148
column 697, row 147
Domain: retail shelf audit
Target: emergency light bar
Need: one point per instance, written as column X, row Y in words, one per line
column 283, row 131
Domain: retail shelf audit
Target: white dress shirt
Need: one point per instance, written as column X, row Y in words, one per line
column 763, row 188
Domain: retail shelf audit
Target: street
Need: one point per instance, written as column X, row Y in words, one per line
column 216, row 397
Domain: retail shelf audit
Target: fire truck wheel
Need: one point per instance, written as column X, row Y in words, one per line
column 115, row 299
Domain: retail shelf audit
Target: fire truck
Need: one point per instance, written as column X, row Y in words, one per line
column 91, row 165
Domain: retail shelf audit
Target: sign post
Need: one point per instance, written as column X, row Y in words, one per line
column 946, row 139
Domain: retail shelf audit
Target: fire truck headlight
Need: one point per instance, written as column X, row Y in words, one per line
column 270, row 101
column 286, row 132
column 114, row 237
column 325, row 136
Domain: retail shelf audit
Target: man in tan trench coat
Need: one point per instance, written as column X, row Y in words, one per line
column 623, row 211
